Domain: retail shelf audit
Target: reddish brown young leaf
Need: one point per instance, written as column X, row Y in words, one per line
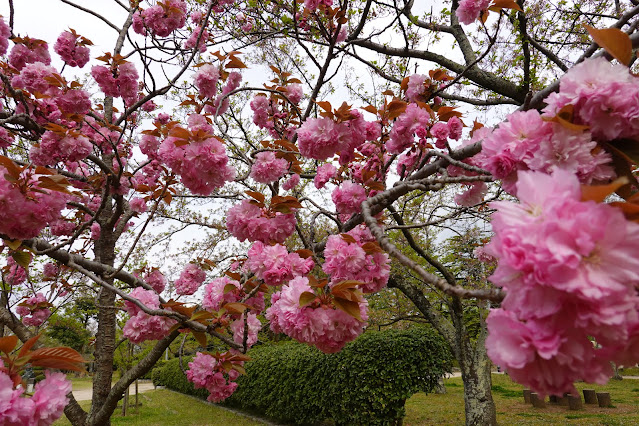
column 351, row 308
column 233, row 275
column 347, row 284
column 59, row 353
column 236, row 308
column 257, row 195
column 7, row 344
column 348, row 238
column 304, row 253
column 614, row 41
column 598, row 193
column 396, row 108
column 201, row 338
column 507, row 4
column 26, row 347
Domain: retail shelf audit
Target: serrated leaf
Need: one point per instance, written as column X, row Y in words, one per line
column 201, row 315
column 347, row 284
column 350, row 307
column 200, row 337
column 13, row 244
column 22, row 258
column 306, row 298
column 396, row 108
column 614, row 41
column 26, row 347
column 256, row 195
column 348, row 238
column 233, row 275
column 304, row 253
column 239, row 369
column 372, row 247
column 234, row 62
column 236, row 308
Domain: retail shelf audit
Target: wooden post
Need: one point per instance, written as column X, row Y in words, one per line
column 574, row 402
column 590, row 396
column 604, row 399
column 536, row 401
column 527, row 396
column 136, row 397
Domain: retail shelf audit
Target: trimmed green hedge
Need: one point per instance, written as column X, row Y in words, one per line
column 171, row 376
column 366, row 383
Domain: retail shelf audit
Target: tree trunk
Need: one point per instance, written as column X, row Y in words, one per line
column 476, row 375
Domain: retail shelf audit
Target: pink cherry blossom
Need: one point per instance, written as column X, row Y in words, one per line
column 156, row 279
column 469, row 10
column 206, row 80
column 402, row 134
column 70, row 51
column 348, row 197
column 253, row 326
column 246, row 221
column 267, row 167
column 325, row 172
column 415, row 87
column 567, row 268
column 324, row 327
column 190, row 279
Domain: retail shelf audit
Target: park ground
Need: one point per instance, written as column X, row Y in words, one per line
column 162, row 407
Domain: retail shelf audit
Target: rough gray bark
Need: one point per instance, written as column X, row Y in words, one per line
column 472, row 357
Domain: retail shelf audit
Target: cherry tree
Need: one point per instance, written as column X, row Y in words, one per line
column 226, row 116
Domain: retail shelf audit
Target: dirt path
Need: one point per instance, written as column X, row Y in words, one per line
column 86, row 394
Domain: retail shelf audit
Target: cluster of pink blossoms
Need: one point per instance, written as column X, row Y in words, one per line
column 206, row 80
column 312, row 5
column 348, row 197
column 161, row 19
column 202, row 164
column 45, row 406
column 604, row 97
column 207, row 372
column 323, row 326
column 142, row 326
column 325, row 172
column 190, row 279
column 246, row 329
column 221, row 102
column 23, row 214
column 351, row 261
column 156, row 279
column 35, row 310
column 246, row 221
column 29, row 51
column 268, row 168
column 570, row 271
column 321, row 138
column 402, row 135
column 275, row 265
column 217, row 294
column 16, row 275
column 74, row 54
column 469, row 10
column 123, row 84
column 528, row 142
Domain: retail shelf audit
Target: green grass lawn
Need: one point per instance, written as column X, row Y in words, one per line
column 448, row 409
column 162, row 407
column 166, row 408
